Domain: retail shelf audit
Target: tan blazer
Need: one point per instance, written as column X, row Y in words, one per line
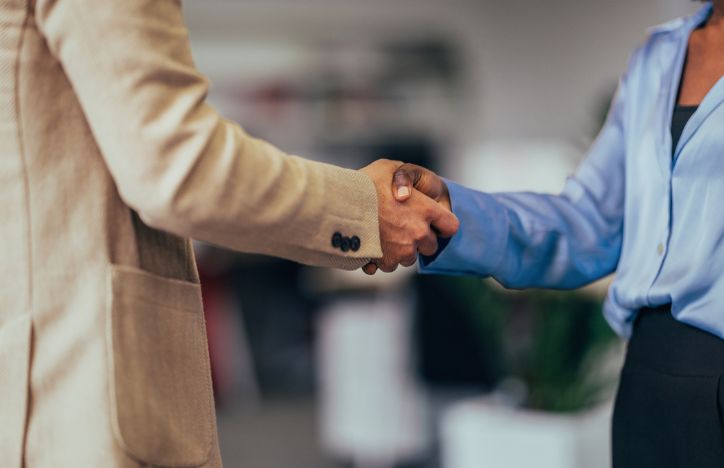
column 110, row 160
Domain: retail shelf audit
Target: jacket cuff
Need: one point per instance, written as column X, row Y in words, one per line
column 351, row 225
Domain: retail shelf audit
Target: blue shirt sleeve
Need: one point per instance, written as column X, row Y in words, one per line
column 538, row 240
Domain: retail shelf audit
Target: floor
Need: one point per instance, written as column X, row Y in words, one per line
column 279, row 433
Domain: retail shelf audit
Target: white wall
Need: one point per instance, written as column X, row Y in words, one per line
column 538, row 69
column 544, row 64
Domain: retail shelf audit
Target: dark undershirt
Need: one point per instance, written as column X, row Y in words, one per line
column 681, row 116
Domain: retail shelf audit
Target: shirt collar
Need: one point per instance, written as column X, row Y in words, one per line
column 685, row 22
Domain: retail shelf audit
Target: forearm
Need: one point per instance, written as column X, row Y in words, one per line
column 528, row 240
column 176, row 162
column 247, row 195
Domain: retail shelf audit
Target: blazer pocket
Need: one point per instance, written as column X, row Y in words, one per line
column 160, row 380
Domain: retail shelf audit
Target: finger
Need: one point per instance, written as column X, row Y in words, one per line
column 408, row 262
column 387, row 267
column 444, row 222
column 423, row 180
column 370, row 268
column 428, row 245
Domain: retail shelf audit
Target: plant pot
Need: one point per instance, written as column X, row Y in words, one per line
column 480, row 434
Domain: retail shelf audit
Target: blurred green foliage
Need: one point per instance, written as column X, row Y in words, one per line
column 552, row 341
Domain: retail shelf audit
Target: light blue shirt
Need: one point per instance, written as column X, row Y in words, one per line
column 657, row 222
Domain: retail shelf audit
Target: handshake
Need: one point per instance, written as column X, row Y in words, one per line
column 414, row 211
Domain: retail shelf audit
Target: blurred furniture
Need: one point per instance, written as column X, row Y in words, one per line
column 232, row 368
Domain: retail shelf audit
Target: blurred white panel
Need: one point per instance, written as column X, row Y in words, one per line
column 223, row 60
column 522, row 165
column 373, row 412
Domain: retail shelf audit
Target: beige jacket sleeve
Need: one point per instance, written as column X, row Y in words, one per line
column 177, row 162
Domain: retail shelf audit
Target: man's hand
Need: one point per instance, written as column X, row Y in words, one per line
column 412, row 223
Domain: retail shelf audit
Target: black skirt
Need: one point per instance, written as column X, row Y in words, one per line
column 669, row 409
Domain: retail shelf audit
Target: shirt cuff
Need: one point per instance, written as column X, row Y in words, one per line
column 479, row 245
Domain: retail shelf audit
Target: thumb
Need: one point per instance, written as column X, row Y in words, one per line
column 409, row 176
column 402, row 183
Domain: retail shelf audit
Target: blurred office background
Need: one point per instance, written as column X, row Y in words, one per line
column 316, row 368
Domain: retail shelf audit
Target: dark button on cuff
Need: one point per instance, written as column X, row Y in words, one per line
column 345, row 245
column 336, row 240
column 355, row 243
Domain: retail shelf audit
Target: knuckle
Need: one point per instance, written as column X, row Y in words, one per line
column 401, row 177
column 422, row 232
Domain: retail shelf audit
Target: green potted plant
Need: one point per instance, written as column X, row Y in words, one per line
column 555, row 362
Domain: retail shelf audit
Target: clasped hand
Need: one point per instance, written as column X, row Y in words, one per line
column 414, row 211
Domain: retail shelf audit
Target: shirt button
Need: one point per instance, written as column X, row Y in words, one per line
column 345, row 244
column 336, row 240
column 660, row 249
column 355, row 243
